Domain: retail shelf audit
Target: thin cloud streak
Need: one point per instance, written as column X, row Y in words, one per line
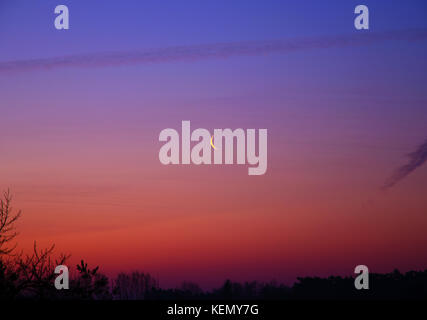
column 416, row 159
column 210, row 51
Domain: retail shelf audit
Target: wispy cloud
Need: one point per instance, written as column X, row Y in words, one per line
column 210, row 51
column 416, row 159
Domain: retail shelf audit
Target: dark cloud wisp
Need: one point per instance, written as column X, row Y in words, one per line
column 209, row 51
column 416, row 159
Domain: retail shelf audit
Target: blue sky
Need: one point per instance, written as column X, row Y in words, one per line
column 26, row 27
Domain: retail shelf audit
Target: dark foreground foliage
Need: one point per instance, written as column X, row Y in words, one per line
column 91, row 285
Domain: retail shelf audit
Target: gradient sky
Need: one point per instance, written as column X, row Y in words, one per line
column 80, row 144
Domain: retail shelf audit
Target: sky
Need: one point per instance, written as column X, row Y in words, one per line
column 80, row 143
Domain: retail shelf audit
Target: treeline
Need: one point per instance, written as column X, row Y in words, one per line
column 89, row 284
column 395, row 285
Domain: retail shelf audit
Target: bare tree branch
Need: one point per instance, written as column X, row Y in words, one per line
column 7, row 224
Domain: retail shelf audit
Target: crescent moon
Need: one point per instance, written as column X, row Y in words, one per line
column 212, row 144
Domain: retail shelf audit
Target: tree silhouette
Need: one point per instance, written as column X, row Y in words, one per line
column 37, row 271
column 7, row 224
column 90, row 285
column 191, row 287
column 24, row 275
column 134, row 286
